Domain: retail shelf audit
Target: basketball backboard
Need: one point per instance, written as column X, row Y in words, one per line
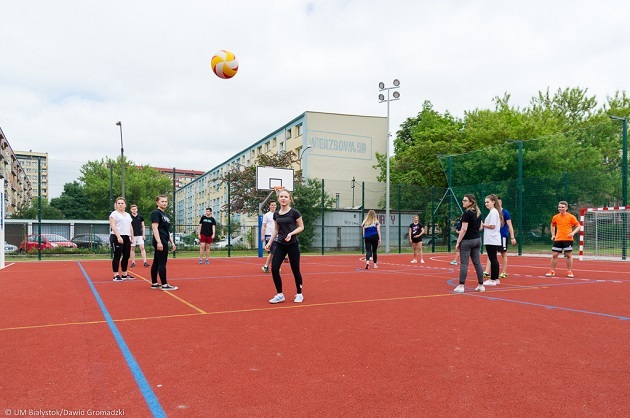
column 269, row 177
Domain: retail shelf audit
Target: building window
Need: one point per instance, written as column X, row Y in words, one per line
column 274, row 143
column 267, row 147
column 299, row 129
column 288, row 132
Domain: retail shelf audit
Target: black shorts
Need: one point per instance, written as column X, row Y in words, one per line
column 417, row 240
column 504, row 244
column 559, row 246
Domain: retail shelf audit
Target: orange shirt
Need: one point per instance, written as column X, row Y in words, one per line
column 564, row 225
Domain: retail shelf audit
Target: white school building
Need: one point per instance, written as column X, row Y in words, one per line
column 334, row 147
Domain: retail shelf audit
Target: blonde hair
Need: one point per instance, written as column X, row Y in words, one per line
column 370, row 218
column 497, row 206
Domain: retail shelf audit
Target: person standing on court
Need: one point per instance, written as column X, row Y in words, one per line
column 137, row 224
column 507, row 231
column 161, row 227
column 205, row 232
column 492, row 237
column 120, row 239
column 563, row 228
column 469, row 243
column 288, row 224
column 268, row 226
column 416, row 230
column 372, row 238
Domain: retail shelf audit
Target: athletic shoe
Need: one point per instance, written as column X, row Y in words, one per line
column 480, row 289
column 422, row 261
column 459, row 289
column 491, row 283
column 286, row 260
column 551, row 273
column 133, row 264
column 486, row 274
column 207, row 261
column 367, row 265
column 265, row 269
column 375, row 266
column 454, row 263
column 117, row 278
column 200, row 261
column 127, row 277
column 503, row 276
column 414, row 261
column 299, row 298
column 156, row 286
column 146, row 264
column 169, row 287
column 570, row 274
column 277, row 299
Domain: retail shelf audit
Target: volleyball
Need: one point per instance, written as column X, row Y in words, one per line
column 224, row 64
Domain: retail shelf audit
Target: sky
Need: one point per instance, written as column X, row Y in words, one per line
column 70, row 69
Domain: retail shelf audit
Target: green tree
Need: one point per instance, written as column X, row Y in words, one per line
column 48, row 211
column 308, row 200
column 142, row 185
column 73, row 202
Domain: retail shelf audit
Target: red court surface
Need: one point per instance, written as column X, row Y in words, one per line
column 392, row 342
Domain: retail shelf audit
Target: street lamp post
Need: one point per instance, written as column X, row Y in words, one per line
column 381, row 99
column 122, row 160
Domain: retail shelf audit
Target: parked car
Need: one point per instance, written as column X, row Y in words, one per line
column 91, row 240
column 9, row 248
column 48, row 242
column 238, row 240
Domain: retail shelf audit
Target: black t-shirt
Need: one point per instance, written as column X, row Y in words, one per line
column 287, row 223
column 416, row 229
column 206, row 225
column 136, row 224
column 474, row 223
column 164, row 226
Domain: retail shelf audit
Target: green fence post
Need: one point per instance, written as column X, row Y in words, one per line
column 323, row 212
column 229, row 222
column 399, row 218
column 174, row 216
column 39, row 209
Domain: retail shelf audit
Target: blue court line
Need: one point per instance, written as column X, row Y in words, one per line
column 623, row 318
column 486, row 296
column 143, row 384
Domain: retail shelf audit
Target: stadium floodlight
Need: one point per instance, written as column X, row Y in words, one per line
column 381, row 98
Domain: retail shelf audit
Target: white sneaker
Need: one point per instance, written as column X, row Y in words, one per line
column 480, row 288
column 491, row 282
column 299, row 298
column 277, row 299
column 414, row 261
column 454, row 263
column 459, row 289
column 375, row 266
column 422, row 261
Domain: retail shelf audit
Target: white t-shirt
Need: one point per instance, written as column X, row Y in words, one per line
column 123, row 222
column 268, row 223
column 492, row 236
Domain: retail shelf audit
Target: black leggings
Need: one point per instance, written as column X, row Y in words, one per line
column 492, row 251
column 120, row 250
column 293, row 251
column 371, row 244
column 159, row 263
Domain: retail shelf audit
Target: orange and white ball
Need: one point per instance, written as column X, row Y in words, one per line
column 224, row 64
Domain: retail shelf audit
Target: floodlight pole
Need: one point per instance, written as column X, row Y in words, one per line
column 122, row 161
column 624, row 160
column 381, row 99
column 624, row 180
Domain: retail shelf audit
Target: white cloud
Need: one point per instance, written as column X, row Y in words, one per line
column 71, row 69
